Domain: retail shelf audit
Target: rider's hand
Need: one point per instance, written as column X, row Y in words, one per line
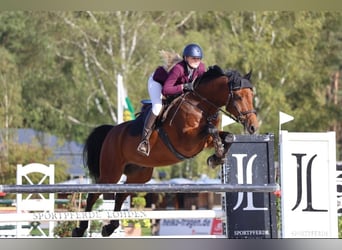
column 188, row 86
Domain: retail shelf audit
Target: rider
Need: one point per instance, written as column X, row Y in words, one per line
column 178, row 80
column 154, row 85
column 184, row 73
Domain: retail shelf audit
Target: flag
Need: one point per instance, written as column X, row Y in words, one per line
column 125, row 110
column 283, row 118
column 226, row 120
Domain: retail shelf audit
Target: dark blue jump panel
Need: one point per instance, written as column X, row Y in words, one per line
column 250, row 215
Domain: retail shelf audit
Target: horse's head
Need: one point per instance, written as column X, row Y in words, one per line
column 240, row 100
column 219, row 88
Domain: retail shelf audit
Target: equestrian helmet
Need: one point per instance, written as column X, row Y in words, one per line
column 193, row 50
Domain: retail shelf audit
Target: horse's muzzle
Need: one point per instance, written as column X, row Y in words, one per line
column 251, row 124
column 251, row 129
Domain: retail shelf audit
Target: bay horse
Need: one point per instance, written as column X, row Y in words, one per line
column 187, row 126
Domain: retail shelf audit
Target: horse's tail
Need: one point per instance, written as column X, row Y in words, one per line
column 92, row 149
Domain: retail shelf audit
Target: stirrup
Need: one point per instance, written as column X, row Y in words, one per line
column 144, row 148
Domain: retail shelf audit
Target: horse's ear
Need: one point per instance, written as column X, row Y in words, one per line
column 248, row 75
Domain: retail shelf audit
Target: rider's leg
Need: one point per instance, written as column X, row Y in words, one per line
column 154, row 89
column 144, row 145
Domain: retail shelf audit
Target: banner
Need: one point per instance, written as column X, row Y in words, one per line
column 190, row 226
column 284, row 118
column 308, row 185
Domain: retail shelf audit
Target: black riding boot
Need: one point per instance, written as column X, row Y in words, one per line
column 144, row 145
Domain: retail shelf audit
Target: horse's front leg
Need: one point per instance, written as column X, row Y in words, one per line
column 222, row 141
column 217, row 141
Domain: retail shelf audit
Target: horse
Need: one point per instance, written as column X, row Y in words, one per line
column 187, row 126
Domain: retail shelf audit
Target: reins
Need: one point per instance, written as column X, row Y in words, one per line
column 237, row 119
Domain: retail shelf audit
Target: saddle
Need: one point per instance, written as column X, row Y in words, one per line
column 167, row 103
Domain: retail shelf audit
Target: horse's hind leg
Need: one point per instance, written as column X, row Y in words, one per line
column 91, row 199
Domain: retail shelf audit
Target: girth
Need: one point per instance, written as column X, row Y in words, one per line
column 164, row 137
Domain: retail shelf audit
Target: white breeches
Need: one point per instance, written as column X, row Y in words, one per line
column 154, row 90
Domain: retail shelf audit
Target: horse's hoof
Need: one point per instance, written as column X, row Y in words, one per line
column 76, row 232
column 104, row 232
column 107, row 230
column 210, row 162
column 213, row 161
column 115, row 224
column 230, row 138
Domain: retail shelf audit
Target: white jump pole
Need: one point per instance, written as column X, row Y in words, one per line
column 111, row 215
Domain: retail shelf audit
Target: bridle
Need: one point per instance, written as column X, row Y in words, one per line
column 242, row 115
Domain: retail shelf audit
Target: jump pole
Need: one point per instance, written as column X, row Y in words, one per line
column 111, row 215
column 135, row 188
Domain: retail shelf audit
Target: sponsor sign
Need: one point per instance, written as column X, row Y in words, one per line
column 250, row 214
column 308, row 183
column 190, row 227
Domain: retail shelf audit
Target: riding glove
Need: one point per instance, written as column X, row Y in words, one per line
column 188, row 86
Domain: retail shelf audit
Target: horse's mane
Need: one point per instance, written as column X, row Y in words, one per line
column 212, row 72
column 236, row 80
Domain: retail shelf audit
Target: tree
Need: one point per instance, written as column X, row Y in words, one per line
column 25, row 154
column 10, row 106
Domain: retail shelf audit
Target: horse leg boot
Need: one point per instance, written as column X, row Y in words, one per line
column 144, row 145
column 220, row 148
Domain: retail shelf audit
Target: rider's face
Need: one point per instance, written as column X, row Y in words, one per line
column 194, row 62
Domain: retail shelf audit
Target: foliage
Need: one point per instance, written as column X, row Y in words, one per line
column 144, row 223
column 138, row 202
column 64, row 228
column 10, row 91
column 25, row 154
